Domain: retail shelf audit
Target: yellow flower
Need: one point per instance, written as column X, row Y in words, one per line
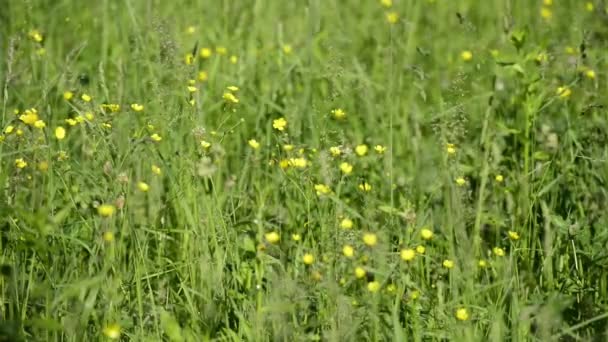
column 338, row 113
column 348, row 251
column 308, row 259
column 29, row 117
column 272, row 237
column 112, row 331
column 192, row 89
column 482, row 263
column 590, row 74
column 156, row 170
column 499, row 178
column 60, row 133
column 414, row 294
column 287, row 49
column 380, row 149
column 564, row 92
column 230, row 97
column 346, row 223
column 71, row 122
column 143, row 187
column 450, row 148
column 546, row 13
column 392, row 17
column 570, row 50
column 156, row 137
column 137, row 107
column 373, row 286
column 322, row 189
column 335, row 151
column 361, row 150
column 589, row 6
column 9, row 129
column 461, row 181
column 205, row 144
column 365, row 186
column 420, row 249
column 254, row 144
column 288, row 147
column 360, row 272
column 548, row 2
column 191, row 29
column 189, row 59
column 391, row 288
column 299, row 163
column 36, row 36
column 234, row 59
column 20, row 163
column 279, row 124
column 106, row 210
column 203, row 76
column 462, row 314
column 370, row 239
column 89, row 116
column 205, row 53
column 447, row 263
column 284, row 164
column 407, row 254
column 513, row 235
column 466, row 55
column 426, row 234
column 86, row 97
column 232, row 88
column 68, row 95
column 39, row 124
column 108, row 236
column 386, row 3
column 498, row 251
column 296, row 237
column 346, row 168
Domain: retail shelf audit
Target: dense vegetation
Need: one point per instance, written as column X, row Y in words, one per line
column 336, row 170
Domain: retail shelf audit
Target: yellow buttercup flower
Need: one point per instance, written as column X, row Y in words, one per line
column 407, row 254
column 348, row 251
column 156, row 137
column 360, row 272
column 20, row 163
column 466, row 55
column 60, row 133
column 86, row 97
column 462, row 314
column 254, row 144
column 426, row 234
column 272, row 237
column 68, row 95
column 143, row 187
column 460, row 181
column 447, row 263
column 346, row 223
column 137, row 107
column 112, row 331
column 373, row 286
column 392, row 17
column 365, row 186
column 361, row 150
column 338, row 113
column 346, row 168
column 370, row 239
column 513, row 235
column 322, row 189
column 335, row 151
column 308, row 259
column 106, row 210
column 205, row 53
column 279, row 124
column 498, row 251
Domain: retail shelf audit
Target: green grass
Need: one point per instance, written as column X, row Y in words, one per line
column 191, row 259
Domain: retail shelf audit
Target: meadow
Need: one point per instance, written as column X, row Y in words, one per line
column 310, row 170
